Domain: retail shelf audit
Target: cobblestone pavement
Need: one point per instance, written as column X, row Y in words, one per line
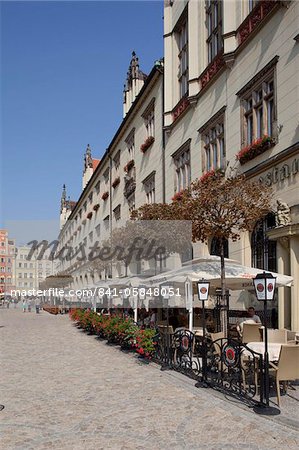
column 63, row 389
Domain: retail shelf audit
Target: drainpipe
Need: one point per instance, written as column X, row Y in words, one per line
column 163, row 135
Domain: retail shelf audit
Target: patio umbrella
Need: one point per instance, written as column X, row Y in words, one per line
column 237, row 276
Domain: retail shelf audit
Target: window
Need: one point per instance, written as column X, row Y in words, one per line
column 258, row 106
column 2, row 269
column 183, row 74
column 149, row 187
column 97, row 187
column 182, row 168
column 131, row 202
column 90, row 237
column 85, row 206
column 90, row 196
column 25, row 275
column 31, row 275
column 116, row 161
column 106, row 222
column 262, row 248
column 25, row 265
column 149, row 120
column 98, row 230
column 106, row 175
column 214, row 27
column 20, row 275
column 31, row 266
column 214, row 145
column 259, row 112
column 252, row 4
column 116, row 213
column 20, row 264
column 2, row 260
column 130, row 141
column 215, row 247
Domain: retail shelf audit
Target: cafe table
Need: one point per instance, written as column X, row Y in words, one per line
column 259, row 347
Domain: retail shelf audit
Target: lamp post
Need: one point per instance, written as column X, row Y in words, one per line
column 203, row 287
column 264, row 285
column 165, row 295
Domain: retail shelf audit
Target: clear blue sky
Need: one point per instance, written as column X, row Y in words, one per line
column 63, row 69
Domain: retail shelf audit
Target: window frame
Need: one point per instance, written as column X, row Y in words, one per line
column 214, row 28
column 182, row 38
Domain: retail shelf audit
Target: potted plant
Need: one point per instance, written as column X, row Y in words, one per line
column 96, row 207
column 89, row 215
column 255, row 149
column 105, row 195
column 177, row 197
column 147, row 143
column 129, row 165
column 211, row 173
column 116, row 182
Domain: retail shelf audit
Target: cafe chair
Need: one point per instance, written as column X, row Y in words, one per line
column 251, row 332
column 277, row 336
column 287, row 368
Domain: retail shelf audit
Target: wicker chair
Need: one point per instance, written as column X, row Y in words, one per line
column 287, row 368
column 251, row 333
column 277, row 336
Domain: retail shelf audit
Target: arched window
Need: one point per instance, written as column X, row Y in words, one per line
column 263, row 250
column 215, row 247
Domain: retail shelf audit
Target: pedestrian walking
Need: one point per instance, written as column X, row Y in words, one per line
column 24, row 305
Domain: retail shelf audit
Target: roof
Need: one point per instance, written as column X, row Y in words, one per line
column 95, row 163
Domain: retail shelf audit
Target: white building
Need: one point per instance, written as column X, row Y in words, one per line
column 31, row 271
column 228, row 84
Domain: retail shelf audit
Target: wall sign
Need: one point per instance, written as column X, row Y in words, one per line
column 281, row 173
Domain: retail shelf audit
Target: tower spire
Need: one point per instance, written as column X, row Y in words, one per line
column 63, row 198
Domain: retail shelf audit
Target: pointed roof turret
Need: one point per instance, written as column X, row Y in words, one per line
column 87, row 158
column 63, row 198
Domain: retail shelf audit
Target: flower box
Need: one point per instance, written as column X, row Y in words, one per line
column 105, row 195
column 255, row 149
column 96, row 207
column 211, row 173
column 89, row 215
column 116, row 182
column 129, row 165
column 147, row 143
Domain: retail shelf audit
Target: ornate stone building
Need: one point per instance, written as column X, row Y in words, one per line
column 228, row 100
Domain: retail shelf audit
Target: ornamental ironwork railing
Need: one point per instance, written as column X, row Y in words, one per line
column 230, row 366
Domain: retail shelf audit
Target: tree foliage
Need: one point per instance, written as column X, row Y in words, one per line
column 217, row 206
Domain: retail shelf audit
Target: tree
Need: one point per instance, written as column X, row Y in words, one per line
column 218, row 207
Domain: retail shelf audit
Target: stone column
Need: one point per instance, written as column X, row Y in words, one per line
column 294, row 260
column 284, row 293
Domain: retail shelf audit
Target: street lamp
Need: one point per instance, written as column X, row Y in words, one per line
column 264, row 285
column 165, row 294
column 203, row 287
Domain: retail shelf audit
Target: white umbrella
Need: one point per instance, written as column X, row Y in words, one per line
column 237, row 276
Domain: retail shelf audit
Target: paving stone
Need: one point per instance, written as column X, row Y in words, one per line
column 63, row 389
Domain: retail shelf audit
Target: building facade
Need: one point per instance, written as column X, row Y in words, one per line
column 225, row 97
column 231, row 103
column 129, row 174
column 31, row 271
column 7, row 263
